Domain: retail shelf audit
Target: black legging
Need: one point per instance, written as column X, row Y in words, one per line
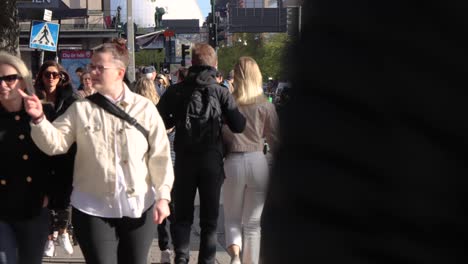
column 114, row 240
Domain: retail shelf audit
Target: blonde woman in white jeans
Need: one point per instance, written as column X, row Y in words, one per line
column 246, row 165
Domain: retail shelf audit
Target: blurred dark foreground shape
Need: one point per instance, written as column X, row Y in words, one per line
column 373, row 168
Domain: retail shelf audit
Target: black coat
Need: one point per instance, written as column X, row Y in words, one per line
column 24, row 173
column 61, row 170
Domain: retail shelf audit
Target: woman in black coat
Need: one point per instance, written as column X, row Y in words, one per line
column 53, row 85
column 24, row 172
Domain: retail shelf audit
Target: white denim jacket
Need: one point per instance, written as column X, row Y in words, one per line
column 94, row 129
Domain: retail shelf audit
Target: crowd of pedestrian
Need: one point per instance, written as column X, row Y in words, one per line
column 105, row 166
column 373, row 174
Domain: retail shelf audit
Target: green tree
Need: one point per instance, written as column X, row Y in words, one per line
column 9, row 27
column 272, row 61
column 268, row 50
column 148, row 57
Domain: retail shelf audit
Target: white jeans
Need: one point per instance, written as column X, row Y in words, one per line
column 244, row 196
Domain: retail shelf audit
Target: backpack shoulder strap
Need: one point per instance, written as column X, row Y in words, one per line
column 111, row 108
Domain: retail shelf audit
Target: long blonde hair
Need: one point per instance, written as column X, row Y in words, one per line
column 146, row 88
column 248, row 82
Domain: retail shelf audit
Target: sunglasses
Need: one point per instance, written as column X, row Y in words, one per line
column 48, row 74
column 9, row 79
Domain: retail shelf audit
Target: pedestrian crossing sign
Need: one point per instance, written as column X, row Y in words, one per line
column 44, row 35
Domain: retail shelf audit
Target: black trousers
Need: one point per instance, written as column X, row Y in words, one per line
column 203, row 172
column 114, row 240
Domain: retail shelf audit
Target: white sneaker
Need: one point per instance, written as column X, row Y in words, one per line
column 49, row 248
column 64, row 241
column 55, row 235
column 166, row 256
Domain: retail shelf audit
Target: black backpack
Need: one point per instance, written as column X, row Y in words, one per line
column 201, row 124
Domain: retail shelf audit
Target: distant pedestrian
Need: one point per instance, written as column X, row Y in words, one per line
column 181, row 74
column 149, row 72
column 87, row 86
column 199, row 152
column 229, row 81
column 246, row 165
column 162, row 83
column 79, row 72
column 145, row 87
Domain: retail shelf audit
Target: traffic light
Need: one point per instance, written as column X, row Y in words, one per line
column 220, row 34
column 185, row 52
column 213, row 35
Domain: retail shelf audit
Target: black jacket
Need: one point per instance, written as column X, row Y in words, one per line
column 172, row 107
column 61, row 171
column 24, row 173
column 65, row 97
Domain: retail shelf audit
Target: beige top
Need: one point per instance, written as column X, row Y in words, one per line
column 94, row 130
column 262, row 123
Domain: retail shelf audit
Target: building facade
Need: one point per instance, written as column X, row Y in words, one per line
column 84, row 24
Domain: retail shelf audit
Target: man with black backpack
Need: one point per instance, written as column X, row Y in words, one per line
column 197, row 108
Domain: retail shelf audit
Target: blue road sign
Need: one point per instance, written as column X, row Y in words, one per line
column 44, row 35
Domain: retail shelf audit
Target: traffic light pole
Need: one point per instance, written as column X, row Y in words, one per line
column 213, row 16
column 130, row 42
column 213, row 28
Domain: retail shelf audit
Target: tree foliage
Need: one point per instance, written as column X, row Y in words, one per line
column 148, row 57
column 269, row 50
column 9, row 27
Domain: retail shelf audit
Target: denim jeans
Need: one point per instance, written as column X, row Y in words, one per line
column 23, row 241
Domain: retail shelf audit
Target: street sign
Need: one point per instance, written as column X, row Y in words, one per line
column 47, row 15
column 44, row 35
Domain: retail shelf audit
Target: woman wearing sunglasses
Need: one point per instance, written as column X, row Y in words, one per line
column 24, row 216
column 53, row 85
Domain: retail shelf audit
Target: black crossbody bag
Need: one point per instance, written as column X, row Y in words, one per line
column 111, row 108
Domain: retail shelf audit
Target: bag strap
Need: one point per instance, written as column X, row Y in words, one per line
column 111, row 108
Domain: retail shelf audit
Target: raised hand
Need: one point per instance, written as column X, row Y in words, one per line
column 32, row 105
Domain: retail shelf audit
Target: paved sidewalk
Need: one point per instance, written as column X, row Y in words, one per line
column 155, row 254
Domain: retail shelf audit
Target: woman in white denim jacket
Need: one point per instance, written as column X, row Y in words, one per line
column 246, row 166
column 122, row 180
